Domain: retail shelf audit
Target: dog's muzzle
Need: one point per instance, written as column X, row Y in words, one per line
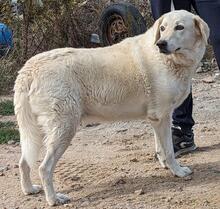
column 162, row 45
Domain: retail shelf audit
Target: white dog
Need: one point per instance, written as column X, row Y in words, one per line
column 142, row 77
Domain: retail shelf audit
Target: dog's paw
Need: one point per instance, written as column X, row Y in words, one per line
column 33, row 190
column 183, row 172
column 59, row 200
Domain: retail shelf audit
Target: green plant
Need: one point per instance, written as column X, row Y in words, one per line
column 8, row 131
column 6, row 108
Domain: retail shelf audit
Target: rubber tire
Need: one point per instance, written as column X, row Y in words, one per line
column 129, row 13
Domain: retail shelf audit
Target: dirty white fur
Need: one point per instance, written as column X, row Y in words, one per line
column 55, row 90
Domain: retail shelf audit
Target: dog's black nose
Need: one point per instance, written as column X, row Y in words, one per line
column 162, row 45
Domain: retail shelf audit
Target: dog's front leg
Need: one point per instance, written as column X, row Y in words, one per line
column 158, row 149
column 164, row 147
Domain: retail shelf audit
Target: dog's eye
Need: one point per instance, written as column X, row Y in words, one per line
column 162, row 28
column 179, row 27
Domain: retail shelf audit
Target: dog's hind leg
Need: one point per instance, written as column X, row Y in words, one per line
column 31, row 141
column 54, row 152
column 164, row 146
column 60, row 132
column 26, row 184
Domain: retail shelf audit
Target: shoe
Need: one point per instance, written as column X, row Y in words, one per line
column 183, row 142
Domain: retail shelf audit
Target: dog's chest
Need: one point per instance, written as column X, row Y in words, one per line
column 174, row 90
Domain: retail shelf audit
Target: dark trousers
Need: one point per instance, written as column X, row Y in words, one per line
column 182, row 116
column 209, row 10
column 160, row 7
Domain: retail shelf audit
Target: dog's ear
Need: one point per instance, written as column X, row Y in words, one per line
column 156, row 29
column 202, row 29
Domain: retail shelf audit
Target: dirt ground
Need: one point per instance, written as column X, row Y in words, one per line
column 112, row 166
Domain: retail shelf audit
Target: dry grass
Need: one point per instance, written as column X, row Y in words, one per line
column 57, row 24
column 8, row 72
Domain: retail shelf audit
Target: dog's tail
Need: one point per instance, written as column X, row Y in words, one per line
column 30, row 133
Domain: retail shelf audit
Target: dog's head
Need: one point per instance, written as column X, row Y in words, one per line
column 179, row 31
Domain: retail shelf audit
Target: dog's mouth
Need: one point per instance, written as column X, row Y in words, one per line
column 167, row 52
column 164, row 51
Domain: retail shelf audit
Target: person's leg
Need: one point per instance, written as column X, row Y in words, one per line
column 160, row 7
column 182, row 134
column 209, row 10
column 182, row 115
column 180, row 4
